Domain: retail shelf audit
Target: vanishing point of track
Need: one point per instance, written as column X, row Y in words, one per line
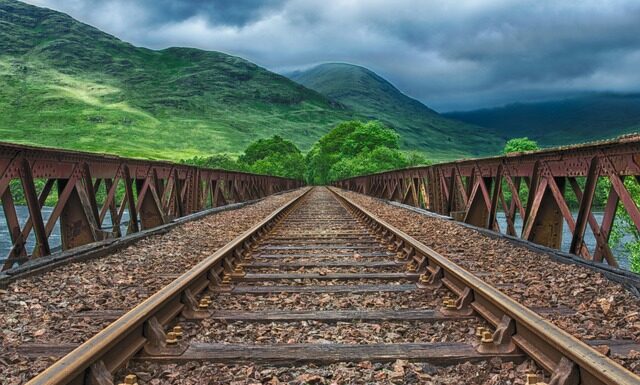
column 322, row 243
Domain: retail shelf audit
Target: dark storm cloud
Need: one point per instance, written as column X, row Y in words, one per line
column 154, row 12
column 451, row 55
column 229, row 12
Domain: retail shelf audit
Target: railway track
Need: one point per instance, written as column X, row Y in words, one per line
column 329, row 268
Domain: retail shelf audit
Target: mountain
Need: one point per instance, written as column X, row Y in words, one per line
column 560, row 122
column 419, row 126
column 69, row 85
column 66, row 84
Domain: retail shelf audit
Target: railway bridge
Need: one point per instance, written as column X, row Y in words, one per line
column 487, row 271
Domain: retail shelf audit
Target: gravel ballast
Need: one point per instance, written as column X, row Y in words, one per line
column 603, row 309
column 494, row 372
column 40, row 309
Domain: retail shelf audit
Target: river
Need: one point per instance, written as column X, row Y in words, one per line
column 55, row 242
column 589, row 239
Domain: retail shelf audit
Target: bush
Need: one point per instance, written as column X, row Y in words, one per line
column 520, row 145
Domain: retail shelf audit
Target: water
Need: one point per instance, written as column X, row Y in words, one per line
column 55, row 243
column 619, row 252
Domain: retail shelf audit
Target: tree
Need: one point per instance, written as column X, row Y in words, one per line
column 263, row 148
column 219, row 161
column 367, row 137
column 624, row 232
column 520, row 145
column 284, row 165
column 369, row 162
column 271, row 156
column 415, row 158
column 356, row 148
column 274, row 156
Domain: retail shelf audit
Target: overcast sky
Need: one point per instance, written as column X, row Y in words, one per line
column 460, row 54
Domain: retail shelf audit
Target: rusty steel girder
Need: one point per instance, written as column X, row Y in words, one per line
column 533, row 186
column 91, row 186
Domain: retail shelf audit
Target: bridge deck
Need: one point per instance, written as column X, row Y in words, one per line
column 311, row 304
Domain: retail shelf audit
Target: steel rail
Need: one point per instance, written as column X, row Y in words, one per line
column 558, row 352
column 118, row 342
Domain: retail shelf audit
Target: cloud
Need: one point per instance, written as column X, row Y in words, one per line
column 450, row 55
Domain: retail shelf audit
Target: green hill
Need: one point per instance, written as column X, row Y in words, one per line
column 560, row 122
column 419, row 126
column 67, row 84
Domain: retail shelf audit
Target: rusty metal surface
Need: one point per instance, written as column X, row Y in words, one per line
column 538, row 184
column 112, row 347
column 516, row 326
column 316, row 216
column 91, row 187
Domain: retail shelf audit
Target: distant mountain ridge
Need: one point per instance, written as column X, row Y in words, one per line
column 369, row 94
column 559, row 122
column 67, row 84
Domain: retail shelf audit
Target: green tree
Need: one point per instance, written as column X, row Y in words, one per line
column 271, row 156
column 274, row 156
column 285, row 165
column 520, row 145
column 367, row 137
column 624, row 231
column 263, row 148
column 380, row 159
column 415, row 158
column 356, row 148
column 218, row 161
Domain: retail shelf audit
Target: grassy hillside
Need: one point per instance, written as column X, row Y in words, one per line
column 67, row 84
column 559, row 122
column 420, row 127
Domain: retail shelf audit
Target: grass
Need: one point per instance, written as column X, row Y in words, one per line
column 66, row 84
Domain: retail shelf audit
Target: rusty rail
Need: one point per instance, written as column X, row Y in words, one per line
column 517, row 329
column 91, row 187
column 94, row 361
column 570, row 361
column 538, row 184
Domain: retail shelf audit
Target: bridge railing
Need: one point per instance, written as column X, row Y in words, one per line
column 535, row 191
column 92, row 193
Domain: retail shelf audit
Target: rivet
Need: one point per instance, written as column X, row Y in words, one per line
column 177, row 330
column 424, row 278
column 532, row 379
column 479, row 331
column 203, row 304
